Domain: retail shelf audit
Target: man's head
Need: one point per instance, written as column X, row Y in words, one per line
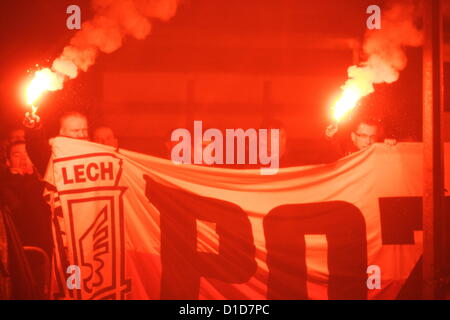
column 105, row 135
column 16, row 135
column 74, row 125
column 365, row 133
column 17, row 158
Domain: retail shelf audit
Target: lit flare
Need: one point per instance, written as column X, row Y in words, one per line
column 347, row 102
column 44, row 80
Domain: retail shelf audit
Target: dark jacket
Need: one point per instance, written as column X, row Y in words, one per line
column 38, row 149
column 23, row 195
column 334, row 149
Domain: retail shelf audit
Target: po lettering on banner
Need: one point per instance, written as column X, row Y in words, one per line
column 285, row 229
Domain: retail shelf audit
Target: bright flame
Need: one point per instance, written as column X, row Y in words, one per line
column 347, row 102
column 44, row 80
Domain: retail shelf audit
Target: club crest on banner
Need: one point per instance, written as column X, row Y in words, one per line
column 92, row 203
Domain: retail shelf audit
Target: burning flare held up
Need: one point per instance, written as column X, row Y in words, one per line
column 385, row 56
column 113, row 21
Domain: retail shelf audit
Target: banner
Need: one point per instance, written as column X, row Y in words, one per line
column 132, row 226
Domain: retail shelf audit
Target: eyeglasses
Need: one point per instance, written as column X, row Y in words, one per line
column 366, row 136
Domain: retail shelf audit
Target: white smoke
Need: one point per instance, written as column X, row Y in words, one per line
column 113, row 21
column 384, row 49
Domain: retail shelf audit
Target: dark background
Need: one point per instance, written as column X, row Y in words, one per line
column 229, row 63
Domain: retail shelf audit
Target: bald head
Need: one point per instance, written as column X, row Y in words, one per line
column 105, row 135
column 74, row 125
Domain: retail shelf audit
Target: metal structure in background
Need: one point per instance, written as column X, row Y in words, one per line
column 434, row 220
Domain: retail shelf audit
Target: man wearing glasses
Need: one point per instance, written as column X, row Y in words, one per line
column 364, row 133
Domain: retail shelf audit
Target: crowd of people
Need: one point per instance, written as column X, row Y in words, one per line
column 24, row 158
